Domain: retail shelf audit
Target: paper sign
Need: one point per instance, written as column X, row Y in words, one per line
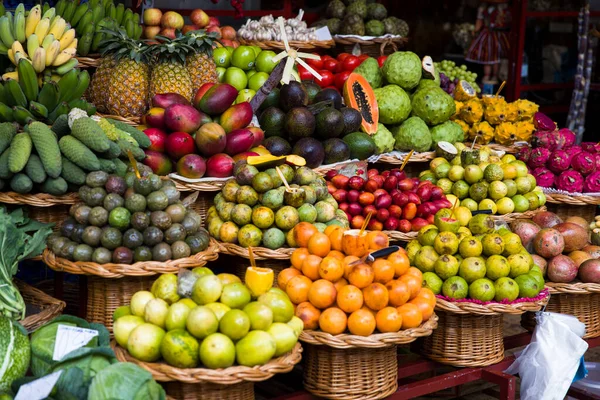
column 323, row 33
column 38, row 389
column 69, row 338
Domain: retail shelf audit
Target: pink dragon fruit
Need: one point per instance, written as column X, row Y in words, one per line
column 539, row 156
column 545, row 139
column 584, row 163
column 544, row 177
column 592, row 183
column 566, row 138
column 543, row 122
column 559, row 161
column 590, row 147
column 573, row 150
column 524, row 154
column 597, row 157
column 570, row 181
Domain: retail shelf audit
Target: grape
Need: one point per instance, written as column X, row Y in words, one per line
column 451, row 74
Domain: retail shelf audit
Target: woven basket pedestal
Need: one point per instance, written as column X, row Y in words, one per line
column 203, row 203
column 564, row 211
column 47, row 308
column 209, row 391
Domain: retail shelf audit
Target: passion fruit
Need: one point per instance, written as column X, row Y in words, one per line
column 112, row 201
column 96, row 179
column 172, row 193
column 122, row 255
column 162, row 252
column 196, row 243
column 176, row 232
column 98, row 216
column 176, row 212
column 142, row 253
column 152, row 236
column 157, row 201
column 161, row 220
column 140, row 221
column 132, row 238
column 180, row 249
column 135, row 203
column 102, row 256
column 191, row 223
column 111, row 238
column 67, row 227
column 83, row 252
column 82, row 214
column 96, row 197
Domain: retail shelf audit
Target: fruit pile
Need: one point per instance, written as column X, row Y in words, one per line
column 562, row 248
column 481, row 180
column 492, row 118
column 52, row 160
column 473, row 260
column 557, row 162
column 256, row 209
column 221, row 323
column 125, row 220
column 167, row 24
column 451, row 74
column 336, row 296
column 362, row 19
column 334, row 71
column 246, row 68
column 184, row 134
column 397, row 202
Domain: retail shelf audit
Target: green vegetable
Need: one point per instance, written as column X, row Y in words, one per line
column 14, row 352
column 125, row 381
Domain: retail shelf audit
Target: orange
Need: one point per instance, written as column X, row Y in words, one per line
column 413, row 283
column 388, row 319
column 297, row 289
column 398, row 292
column 285, row 275
column 411, row 315
column 376, row 296
column 333, row 321
column 361, row 322
column 331, row 228
column 427, row 294
column 400, row 262
column 361, row 276
column 340, row 283
column 336, row 236
column 298, row 257
column 384, row 271
column 350, row 298
column 369, row 310
column 347, row 261
column 319, row 244
column 322, row 294
column 309, row 314
column 331, row 269
column 377, row 240
column 310, row 267
column 414, row 271
column 336, row 254
column 303, row 232
column 424, row 306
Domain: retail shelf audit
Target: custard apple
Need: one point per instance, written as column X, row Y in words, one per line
column 359, row 8
column 334, row 25
column 395, row 26
column 403, row 68
column 353, row 25
column 376, row 11
column 449, row 131
column 374, row 28
column 412, row 134
column 336, row 9
column 394, row 104
column 433, row 105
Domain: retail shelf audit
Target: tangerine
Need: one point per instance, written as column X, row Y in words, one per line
column 336, row 237
column 388, row 319
column 427, row 294
column 411, row 315
column 310, row 267
column 319, row 244
column 400, row 262
column 322, row 294
column 285, row 275
column 336, row 254
column 376, row 296
column 333, row 321
column 347, row 267
column 361, row 276
column 361, row 322
column 303, row 232
column 384, row 271
column 331, row 228
column 350, row 298
column 415, row 272
column 297, row 289
column 309, row 314
column 414, row 284
column 298, row 257
column 398, row 292
column 377, row 240
column 424, row 306
column 331, row 269
column 340, row 283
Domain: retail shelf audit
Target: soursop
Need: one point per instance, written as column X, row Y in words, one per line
column 376, row 11
column 370, row 70
column 396, row 26
column 384, row 140
column 449, row 131
column 412, row 134
column 335, row 9
column 334, row 25
column 353, row 25
column 403, row 68
column 394, row 104
column 374, row 28
column 359, row 8
column 433, row 105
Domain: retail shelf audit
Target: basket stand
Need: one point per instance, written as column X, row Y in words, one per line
column 209, row 391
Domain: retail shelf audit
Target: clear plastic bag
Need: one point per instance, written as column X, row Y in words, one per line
column 549, row 363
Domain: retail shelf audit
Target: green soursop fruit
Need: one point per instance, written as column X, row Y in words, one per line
column 335, row 9
column 384, row 140
column 334, row 25
column 370, row 70
column 376, row 11
column 374, row 28
column 433, row 105
column 449, row 131
column 353, row 25
column 412, row 134
column 394, row 104
column 403, row 68
column 396, row 26
column 427, row 83
column 359, row 8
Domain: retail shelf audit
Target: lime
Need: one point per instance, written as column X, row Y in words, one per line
column 119, row 218
column 284, row 336
column 236, row 78
column 243, row 57
column 505, row 206
column 235, row 295
column 156, row 311
column 180, row 349
column 124, row 326
column 257, row 50
column 144, row 342
column 222, row 57
column 256, row 348
column 235, row 324
column 244, row 95
column 264, row 61
column 176, row 316
column 250, row 73
column 217, row 351
column 202, row 322
column 257, row 80
column 469, row 203
column 207, row 289
column 521, row 203
column 221, row 74
column 261, row 316
column 218, row 308
column 488, row 204
column 230, row 49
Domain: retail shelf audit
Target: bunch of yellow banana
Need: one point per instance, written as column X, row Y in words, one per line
column 46, row 41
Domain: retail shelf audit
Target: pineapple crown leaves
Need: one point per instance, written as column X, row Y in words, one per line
column 119, row 45
column 200, row 40
column 171, row 50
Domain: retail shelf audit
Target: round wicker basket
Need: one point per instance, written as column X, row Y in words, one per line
column 355, row 367
column 311, row 45
column 564, row 211
column 42, row 207
column 43, row 308
column 204, row 186
column 583, row 200
column 260, row 253
column 233, row 383
column 134, row 121
column 373, row 47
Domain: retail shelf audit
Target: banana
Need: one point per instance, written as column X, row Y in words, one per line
column 3, row 48
column 50, row 13
column 10, row 18
column 83, row 47
column 34, row 17
column 45, row 7
column 98, row 14
column 128, row 15
column 60, row 6
column 69, row 10
column 48, row 41
column 130, row 28
column 5, row 32
column 32, row 44
column 136, row 18
column 91, row 27
column 19, row 32
column 39, row 60
column 67, row 84
column 6, row 113
column 38, row 110
column 66, row 67
column 55, row 78
column 62, row 108
column 3, row 96
column 64, row 56
column 17, row 47
column 20, row 9
column 79, row 13
column 58, row 28
column 52, row 51
column 42, row 28
column 85, row 21
column 11, row 56
column 22, row 115
column 49, row 95
column 67, row 38
column 16, row 92
column 138, row 32
column 10, row 76
column 112, row 11
column 21, row 56
column 28, row 80
column 73, row 44
column 83, row 81
column 119, row 13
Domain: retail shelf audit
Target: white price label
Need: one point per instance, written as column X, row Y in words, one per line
column 38, row 389
column 69, row 338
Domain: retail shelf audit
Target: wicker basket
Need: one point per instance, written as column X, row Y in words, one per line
column 204, row 201
column 373, row 47
column 393, row 159
column 581, row 300
column 564, row 211
column 471, row 334
column 355, row 367
column 133, row 121
column 233, row 383
column 397, row 236
column 204, row 186
column 42, row 207
column 310, row 45
column 260, row 253
column 43, row 307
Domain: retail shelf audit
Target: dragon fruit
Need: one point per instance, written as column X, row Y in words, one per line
column 543, row 122
column 590, row 147
column 545, row 139
column 524, row 153
column 539, row 156
column 573, row 150
column 544, row 177
column 559, row 161
column 597, row 157
column 566, row 137
column 592, row 183
column 570, row 181
column 584, row 162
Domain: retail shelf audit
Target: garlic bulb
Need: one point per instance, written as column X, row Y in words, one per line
column 267, row 28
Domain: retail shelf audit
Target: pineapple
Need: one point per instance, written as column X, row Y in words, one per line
column 200, row 64
column 96, row 93
column 169, row 74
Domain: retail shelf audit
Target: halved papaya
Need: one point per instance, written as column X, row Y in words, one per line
column 271, row 161
column 359, row 95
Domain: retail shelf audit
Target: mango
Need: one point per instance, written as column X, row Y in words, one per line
column 165, row 100
column 210, row 139
column 236, row 117
column 217, row 99
column 239, row 141
column 200, row 93
column 183, row 118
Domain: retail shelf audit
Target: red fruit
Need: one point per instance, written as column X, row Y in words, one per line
column 443, row 203
column 418, row 223
column 305, row 75
column 398, row 174
column 245, row 155
column 369, row 209
column 371, row 186
column 214, row 21
column 383, row 201
column 379, row 192
column 201, row 92
column 357, row 221
column 157, row 139
column 382, row 214
column 400, row 199
column 366, row 198
column 191, row 166
column 356, row 182
column 200, row 18
column 413, row 198
column 417, row 181
column 340, row 195
column 340, row 181
column 155, row 118
column 343, row 206
column 341, row 78
column 354, row 209
column 326, row 78
column 164, row 100
column 211, row 139
column 158, row 162
column 219, row 166
column 217, row 99
column 316, row 64
column 380, row 179
column 183, row 118
column 423, row 209
column 424, row 192
column 330, row 174
column 362, row 57
column 375, row 225
column 381, row 60
column 385, row 174
column 331, row 188
column 330, row 64
column 431, row 219
column 410, row 211
column 390, row 183
column 437, row 193
column 238, row 141
column 391, row 224
column 178, row 144
column 350, row 63
column 404, row 226
column 259, row 135
column 343, row 56
column 353, row 196
column 395, row 211
column 372, row 172
column 228, row 32
column 237, row 116
column 406, row 184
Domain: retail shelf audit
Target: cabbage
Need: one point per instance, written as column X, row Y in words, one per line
column 125, row 381
column 14, row 352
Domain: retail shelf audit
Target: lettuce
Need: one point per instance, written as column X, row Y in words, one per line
column 125, row 381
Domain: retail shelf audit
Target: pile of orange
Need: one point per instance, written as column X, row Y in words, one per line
column 335, row 297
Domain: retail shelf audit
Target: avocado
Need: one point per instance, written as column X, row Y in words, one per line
column 299, row 123
column 336, row 150
column 329, row 124
column 272, row 100
column 272, row 121
column 277, row 146
column 311, row 150
column 352, row 120
column 330, row 95
column 361, row 145
column 292, row 95
column 312, row 89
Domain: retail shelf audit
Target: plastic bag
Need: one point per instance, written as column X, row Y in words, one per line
column 549, row 363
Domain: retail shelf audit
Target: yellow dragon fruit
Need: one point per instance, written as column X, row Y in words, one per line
column 495, row 112
column 490, row 99
column 506, row 133
column 512, row 112
column 525, row 130
column 483, row 131
column 472, row 111
column 526, row 109
column 458, row 105
column 465, row 127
